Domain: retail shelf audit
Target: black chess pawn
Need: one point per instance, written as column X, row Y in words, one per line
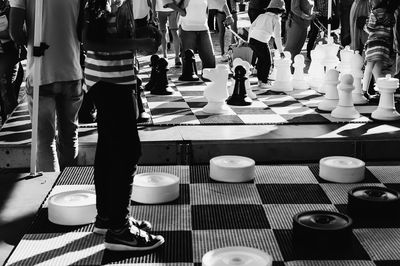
column 153, row 63
column 239, row 94
column 189, row 70
column 161, row 83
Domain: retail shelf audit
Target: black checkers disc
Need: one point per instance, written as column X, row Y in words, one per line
column 321, row 229
column 373, row 204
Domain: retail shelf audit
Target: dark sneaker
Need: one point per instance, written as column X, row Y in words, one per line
column 101, row 226
column 131, row 238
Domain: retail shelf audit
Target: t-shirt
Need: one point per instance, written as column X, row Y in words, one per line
column 267, row 25
column 140, row 8
column 113, row 67
column 196, row 15
column 61, row 60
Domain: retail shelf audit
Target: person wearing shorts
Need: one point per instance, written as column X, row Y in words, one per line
column 169, row 15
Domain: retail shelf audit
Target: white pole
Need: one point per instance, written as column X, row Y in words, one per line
column 329, row 17
column 37, row 64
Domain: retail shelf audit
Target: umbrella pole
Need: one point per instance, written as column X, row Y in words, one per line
column 330, row 40
column 37, row 65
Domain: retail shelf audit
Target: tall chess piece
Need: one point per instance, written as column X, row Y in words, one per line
column 299, row 81
column 238, row 61
column 189, row 70
column 161, row 83
column 330, row 60
column 239, row 94
column 283, row 81
column 356, row 65
column 386, row 109
column 216, row 92
column 331, row 97
column 346, row 56
column 345, row 107
column 153, row 75
column 316, row 70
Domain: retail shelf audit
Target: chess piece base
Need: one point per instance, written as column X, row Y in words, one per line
column 216, row 108
column 239, row 101
column 328, row 105
column 166, row 91
column 282, row 86
column 358, row 98
column 385, row 114
column 189, row 78
column 347, row 112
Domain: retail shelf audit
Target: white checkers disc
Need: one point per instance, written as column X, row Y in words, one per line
column 72, row 207
column 341, row 169
column 236, row 256
column 231, row 168
column 152, row 188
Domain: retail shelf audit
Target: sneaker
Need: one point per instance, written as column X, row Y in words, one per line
column 131, row 238
column 101, row 226
column 224, row 58
column 265, row 85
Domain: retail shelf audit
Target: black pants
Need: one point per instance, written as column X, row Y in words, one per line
column 261, row 50
column 313, row 33
column 117, row 152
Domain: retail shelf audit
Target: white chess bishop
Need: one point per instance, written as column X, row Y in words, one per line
column 283, row 81
column 331, row 97
column 386, row 108
column 356, row 65
column 238, row 61
column 345, row 108
column 298, row 80
column 316, row 71
column 216, row 92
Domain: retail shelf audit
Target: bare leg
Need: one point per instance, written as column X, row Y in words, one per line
column 177, row 43
column 164, row 43
column 367, row 75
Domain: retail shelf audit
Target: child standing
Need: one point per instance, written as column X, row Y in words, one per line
column 379, row 45
column 266, row 25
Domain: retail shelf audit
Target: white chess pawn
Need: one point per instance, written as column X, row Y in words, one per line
column 356, row 64
column 386, row 109
column 283, row 81
column 331, row 97
column 299, row 81
column 316, row 70
column 216, row 92
column 238, row 61
column 345, row 107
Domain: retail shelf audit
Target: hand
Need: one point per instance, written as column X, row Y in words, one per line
column 228, row 21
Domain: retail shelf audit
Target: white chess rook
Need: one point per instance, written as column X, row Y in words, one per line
column 386, row 109
column 216, row 92
column 283, row 80
column 299, row 81
column 331, row 97
column 356, row 64
column 345, row 108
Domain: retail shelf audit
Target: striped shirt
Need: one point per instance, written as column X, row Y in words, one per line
column 112, row 67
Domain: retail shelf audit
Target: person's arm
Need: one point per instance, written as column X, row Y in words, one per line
column 16, row 26
column 278, row 37
column 181, row 7
column 295, row 8
column 229, row 19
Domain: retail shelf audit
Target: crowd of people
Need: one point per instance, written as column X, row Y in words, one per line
column 89, row 51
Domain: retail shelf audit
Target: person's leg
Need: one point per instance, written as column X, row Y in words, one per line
column 264, row 59
column 117, row 136
column 211, row 19
column 68, row 103
column 162, row 25
column 221, row 36
column 173, row 26
column 47, row 159
column 312, row 36
column 296, row 36
column 345, row 6
column 206, row 50
column 188, row 41
column 234, row 26
column 367, row 75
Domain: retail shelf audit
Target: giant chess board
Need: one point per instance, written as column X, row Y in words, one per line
column 210, row 215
